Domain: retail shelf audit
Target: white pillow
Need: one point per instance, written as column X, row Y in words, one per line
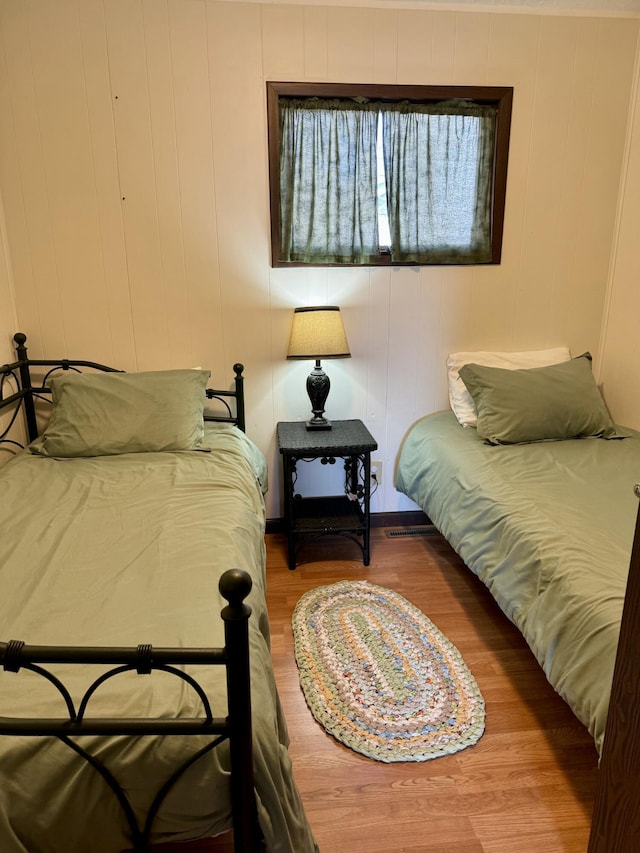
column 460, row 399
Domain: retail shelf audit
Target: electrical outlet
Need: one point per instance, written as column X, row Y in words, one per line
column 376, row 473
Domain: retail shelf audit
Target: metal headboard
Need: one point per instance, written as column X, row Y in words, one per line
column 18, row 393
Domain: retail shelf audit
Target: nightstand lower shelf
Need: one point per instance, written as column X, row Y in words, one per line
column 337, row 515
column 327, row 515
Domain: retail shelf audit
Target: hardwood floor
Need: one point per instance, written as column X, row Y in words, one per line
column 527, row 785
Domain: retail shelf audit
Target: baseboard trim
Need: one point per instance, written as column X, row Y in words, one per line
column 408, row 518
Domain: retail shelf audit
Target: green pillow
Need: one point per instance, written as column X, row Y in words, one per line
column 537, row 404
column 102, row 414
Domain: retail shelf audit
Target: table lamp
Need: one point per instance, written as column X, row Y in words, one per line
column 318, row 332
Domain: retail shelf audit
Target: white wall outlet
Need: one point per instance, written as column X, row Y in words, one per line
column 376, row 473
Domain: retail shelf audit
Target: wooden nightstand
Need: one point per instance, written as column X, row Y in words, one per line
column 346, row 515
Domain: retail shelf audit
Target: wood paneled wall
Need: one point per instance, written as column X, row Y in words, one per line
column 8, row 319
column 620, row 357
column 133, row 171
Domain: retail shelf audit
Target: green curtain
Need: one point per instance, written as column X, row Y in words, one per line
column 438, row 168
column 328, row 180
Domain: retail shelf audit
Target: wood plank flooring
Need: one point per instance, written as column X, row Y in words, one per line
column 527, row 785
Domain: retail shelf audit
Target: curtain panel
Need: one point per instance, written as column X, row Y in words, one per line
column 438, row 165
column 328, row 182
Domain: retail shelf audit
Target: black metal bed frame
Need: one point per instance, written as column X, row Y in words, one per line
column 234, row 585
column 24, row 393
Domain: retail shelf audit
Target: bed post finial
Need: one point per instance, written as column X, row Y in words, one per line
column 235, row 585
column 20, row 340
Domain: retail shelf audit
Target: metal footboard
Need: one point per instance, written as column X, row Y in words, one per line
column 234, row 585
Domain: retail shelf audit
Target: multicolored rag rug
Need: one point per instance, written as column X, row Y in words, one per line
column 380, row 677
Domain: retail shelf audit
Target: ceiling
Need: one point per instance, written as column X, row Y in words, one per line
column 586, row 7
column 599, row 6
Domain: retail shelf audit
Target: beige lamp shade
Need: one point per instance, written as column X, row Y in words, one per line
column 318, row 332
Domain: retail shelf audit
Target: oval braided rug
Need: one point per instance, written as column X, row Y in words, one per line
column 380, row 677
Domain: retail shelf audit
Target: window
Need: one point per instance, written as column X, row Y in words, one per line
column 401, row 175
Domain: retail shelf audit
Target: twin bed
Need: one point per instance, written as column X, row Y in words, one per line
column 120, row 522
column 535, row 488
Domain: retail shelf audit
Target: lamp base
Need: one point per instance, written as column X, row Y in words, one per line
column 318, row 388
column 318, row 424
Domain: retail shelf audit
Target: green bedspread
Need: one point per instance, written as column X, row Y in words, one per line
column 122, row 550
column 548, row 528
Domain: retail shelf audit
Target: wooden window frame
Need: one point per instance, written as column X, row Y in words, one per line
column 499, row 96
